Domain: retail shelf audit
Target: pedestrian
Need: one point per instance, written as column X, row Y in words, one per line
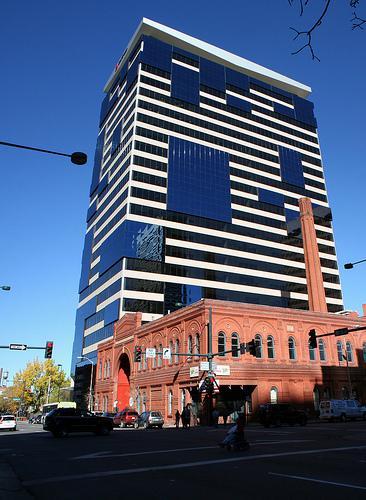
column 186, row 417
column 177, row 419
column 215, row 417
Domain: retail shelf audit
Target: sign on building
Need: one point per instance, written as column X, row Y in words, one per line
column 204, row 366
column 150, row 352
column 167, row 353
column 194, row 371
column 222, row 370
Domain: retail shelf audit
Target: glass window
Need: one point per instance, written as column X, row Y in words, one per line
column 312, row 354
column 273, row 395
column 177, row 350
column 189, row 345
column 160, row 355
column 171, row 352
column 154, row 359
column 170, row 402
column 197, row 345
column 235, row 345
column 322, row 355
column 259, row 346
column 270, row 347
column 221, row 343
column 100, row 369
column 364, row 351
column 339, row 351
column 349, row 351
column 291, row 348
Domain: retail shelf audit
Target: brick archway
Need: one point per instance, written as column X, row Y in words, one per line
column 123, row 382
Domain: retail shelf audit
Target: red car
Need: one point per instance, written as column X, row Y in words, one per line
column 126, row 418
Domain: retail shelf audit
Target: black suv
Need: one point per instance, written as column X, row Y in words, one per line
column 61, row 421
column 278, row 414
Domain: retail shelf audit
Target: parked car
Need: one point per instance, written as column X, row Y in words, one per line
column 341, row 409
column 281, row 413
column 149, row 419
column 108, row 414
column 126, row 418
column 61, row 421
column 8, row 422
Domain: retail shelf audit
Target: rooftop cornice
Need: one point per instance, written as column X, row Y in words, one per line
column 204, row 49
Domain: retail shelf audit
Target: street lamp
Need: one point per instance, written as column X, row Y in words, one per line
column 91, row 381
column 350, row 265
column 78, row 158
column 6, row 288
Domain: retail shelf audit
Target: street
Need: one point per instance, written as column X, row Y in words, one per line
column 321, row 460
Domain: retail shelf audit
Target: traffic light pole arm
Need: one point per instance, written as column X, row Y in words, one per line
column 349, row 330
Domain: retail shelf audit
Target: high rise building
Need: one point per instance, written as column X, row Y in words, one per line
column 201, row 159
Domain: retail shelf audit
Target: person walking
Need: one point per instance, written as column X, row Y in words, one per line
column 177, row 419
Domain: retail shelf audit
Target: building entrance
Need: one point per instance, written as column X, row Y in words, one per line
column 123, row 387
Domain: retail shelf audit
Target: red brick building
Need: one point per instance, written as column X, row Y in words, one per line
column 287, row 370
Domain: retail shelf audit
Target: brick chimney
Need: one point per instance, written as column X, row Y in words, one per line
column 314, row 277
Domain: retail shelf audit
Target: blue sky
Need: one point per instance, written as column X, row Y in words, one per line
column 55, row 59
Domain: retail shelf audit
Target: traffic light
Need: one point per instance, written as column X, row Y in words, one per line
column 242, row 348
column 209, row 384
column 48, row 350
column 252, row 348
column 312, row 339
column 138, row 353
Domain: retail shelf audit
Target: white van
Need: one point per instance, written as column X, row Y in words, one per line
column 341, row 409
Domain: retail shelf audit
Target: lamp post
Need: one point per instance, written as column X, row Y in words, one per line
column 78, row 158
column 91, row 381
column 350, row 265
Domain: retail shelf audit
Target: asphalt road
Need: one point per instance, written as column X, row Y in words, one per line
column 319, row 461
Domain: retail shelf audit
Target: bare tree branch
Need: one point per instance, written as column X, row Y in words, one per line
column 308, row 33
column 358, row 22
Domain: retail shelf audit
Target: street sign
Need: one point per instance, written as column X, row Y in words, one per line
column 150, row 352
column 340, row 331
column 222, row 370
column 204, row 366
column 167, row 353
column 16, row 399
column 194, row 371
column 18, row 347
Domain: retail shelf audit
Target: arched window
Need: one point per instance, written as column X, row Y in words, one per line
column 160, row 355
column 171, row 352
column 259, row 346
column 349, row 351
column 221, row 343
column 189, row 345
column 182, row 399
column 364, row 351
column 154, row 359
column 100, row 370
column 143, row 361
column 235, row 345
column 339, row 350
column 270, row 347
column 197, row 346
column 291, row 348
column 322, row 355
column 273, row 395
column 105, row 369
column 312, row 353
column 170, row 402
column 177, row 350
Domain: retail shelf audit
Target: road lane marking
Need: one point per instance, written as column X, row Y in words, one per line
column 122, row 472
column 109, row 454
column 333, row 483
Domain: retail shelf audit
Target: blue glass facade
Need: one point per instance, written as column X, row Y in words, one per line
column 200, row 151
column 198, row 180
